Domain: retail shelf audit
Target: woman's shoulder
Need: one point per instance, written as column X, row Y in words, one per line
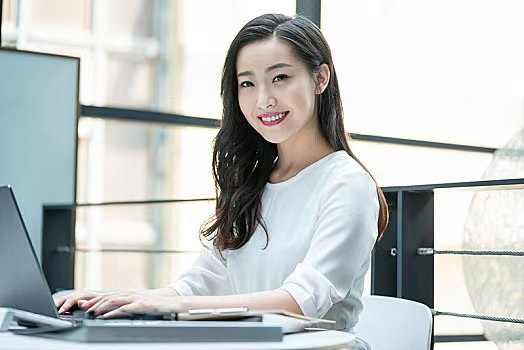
column 344, row 179
column 341, row 168
column 333, row 171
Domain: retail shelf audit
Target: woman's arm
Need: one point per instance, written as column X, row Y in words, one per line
column 277, row 299
column 165, row 300
column 167, row 292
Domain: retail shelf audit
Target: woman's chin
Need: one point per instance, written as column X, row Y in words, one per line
column 274, row 139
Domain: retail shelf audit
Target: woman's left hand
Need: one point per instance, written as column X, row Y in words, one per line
column 117, row 304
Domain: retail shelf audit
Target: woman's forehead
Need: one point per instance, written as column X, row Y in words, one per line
column 259, row 55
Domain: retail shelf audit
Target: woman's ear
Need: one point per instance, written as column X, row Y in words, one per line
column 323, row 77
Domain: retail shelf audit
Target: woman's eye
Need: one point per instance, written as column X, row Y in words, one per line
column 246, row 84
column 280, row 77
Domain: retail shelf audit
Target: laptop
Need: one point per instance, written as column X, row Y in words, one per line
column 22, row 282
column 24, row 290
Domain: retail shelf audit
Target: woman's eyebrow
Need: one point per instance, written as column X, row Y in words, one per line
column 270, row 68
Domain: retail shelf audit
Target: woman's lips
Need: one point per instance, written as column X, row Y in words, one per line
column 275, row 122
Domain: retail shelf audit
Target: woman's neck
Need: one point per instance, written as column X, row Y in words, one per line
column 297, row 153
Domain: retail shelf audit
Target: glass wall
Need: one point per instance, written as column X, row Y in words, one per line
column 446, row 71
column 123, row 161
column 149, row 54
column 137, row 246
column 405, row 165
column 137, row 161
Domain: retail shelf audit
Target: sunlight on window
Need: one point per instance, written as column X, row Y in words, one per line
column 446, row 71
column 402, row 165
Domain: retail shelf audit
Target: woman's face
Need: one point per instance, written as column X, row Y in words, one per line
column 276, row 92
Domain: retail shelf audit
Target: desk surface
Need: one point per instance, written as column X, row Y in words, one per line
column 307, row 340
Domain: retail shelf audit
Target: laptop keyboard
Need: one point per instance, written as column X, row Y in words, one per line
column 77, row 315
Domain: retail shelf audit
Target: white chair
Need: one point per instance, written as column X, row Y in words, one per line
column 388, row 323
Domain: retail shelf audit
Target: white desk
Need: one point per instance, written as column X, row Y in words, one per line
column 308, row 340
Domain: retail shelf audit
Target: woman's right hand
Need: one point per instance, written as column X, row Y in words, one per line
column 74, row 300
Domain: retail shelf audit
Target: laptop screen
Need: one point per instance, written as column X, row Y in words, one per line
column 22, row 282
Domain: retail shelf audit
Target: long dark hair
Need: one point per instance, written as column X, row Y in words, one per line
column 242, row 158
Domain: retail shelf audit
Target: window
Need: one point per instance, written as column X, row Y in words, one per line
column 147, row 54
column 442, row 72
column 429, row 70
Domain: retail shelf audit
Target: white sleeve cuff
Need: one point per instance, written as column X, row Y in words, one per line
column 303, row 299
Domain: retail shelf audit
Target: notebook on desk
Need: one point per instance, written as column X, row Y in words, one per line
column 25, row 296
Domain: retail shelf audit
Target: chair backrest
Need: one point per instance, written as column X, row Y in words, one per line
column 388, row 323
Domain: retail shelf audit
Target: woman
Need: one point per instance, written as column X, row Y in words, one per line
column 297, row 214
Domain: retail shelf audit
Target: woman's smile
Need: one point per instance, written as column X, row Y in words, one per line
column 272, row 82
column 271, row 119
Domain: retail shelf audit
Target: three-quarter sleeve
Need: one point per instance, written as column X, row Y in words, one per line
column 207, row 276
column 344, row 235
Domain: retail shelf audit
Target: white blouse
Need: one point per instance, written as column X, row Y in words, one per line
column 322, row 226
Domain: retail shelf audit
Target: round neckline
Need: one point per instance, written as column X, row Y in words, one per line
column 304, row 171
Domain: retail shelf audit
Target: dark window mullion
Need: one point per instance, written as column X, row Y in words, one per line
column 309, row 9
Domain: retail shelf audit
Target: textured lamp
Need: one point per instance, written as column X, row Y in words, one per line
column 495, row 221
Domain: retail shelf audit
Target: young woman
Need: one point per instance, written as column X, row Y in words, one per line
column 297, row 214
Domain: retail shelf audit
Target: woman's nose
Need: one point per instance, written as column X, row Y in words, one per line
column 265, row 99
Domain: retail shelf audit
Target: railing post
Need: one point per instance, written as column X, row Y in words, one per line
column 418, row 231
column 396, row 269
column 384, row 258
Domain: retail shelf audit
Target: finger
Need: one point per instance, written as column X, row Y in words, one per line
column 111, row 305
column 96, row 302
column 105, row 309
column 124, row 310
column 66, row 302
column 65, row 306
column 118, row 312
column 89, row 303
column 108, row 304
column 69, row 302
column 61, row 300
